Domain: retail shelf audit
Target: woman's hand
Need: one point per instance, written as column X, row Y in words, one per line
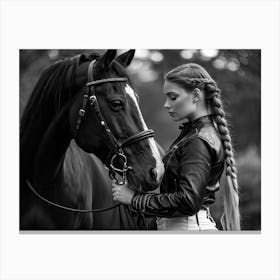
column 122, row 193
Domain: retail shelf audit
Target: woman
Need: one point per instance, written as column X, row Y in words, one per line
column 195, row 161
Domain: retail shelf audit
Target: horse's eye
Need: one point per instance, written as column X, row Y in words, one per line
column 116, row 105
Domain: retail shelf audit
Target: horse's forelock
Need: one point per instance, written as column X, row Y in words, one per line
column 121, row 71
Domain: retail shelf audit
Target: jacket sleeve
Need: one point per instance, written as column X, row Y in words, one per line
column 194, row 172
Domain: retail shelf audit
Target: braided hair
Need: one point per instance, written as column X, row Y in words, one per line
column 190, row 76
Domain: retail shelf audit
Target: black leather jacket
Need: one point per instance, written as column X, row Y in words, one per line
column 193, row 167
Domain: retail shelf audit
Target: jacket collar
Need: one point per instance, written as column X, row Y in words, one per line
column 197, row 123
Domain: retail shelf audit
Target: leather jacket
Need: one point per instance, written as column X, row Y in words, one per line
column 193, row 167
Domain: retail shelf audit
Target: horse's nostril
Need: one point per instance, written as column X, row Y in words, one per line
column 153, row 173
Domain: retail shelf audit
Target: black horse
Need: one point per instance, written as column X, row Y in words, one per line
column 82, row 108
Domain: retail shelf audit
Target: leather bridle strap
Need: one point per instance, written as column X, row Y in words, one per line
column 138, row 137
column 109, row 80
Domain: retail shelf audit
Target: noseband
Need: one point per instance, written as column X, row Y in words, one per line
column 118, row 146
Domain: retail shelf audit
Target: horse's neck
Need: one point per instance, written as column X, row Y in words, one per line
column 85, row 174
column 51, row 151
column 59, row 161
column 77, row 170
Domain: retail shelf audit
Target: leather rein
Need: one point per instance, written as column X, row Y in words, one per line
column 118, row 147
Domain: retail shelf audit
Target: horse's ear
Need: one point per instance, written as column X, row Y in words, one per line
column 107, row 58
column 126, row 58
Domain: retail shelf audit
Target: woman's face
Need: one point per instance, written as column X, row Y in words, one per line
column 179, row 102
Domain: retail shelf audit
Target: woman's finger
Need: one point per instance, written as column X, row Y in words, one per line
column 115, row 189
column 115, row 185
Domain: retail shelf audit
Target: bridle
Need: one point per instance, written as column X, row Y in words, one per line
column 118, row 147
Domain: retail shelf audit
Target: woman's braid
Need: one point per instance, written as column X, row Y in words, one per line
column 213, row 95
column 231, row 218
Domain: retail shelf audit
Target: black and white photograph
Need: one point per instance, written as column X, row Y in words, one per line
column 140, row 140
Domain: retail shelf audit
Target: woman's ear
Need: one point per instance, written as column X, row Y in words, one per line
column 196, row 95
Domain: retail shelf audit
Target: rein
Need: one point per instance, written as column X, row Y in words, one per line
column 68, row 208
column 140, row 218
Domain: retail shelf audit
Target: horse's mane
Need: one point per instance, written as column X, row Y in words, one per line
column 50, row 93
column 47, row 98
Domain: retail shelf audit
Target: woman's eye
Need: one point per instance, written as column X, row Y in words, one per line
column 172, row 98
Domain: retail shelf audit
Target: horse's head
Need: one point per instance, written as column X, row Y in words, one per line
column 106, row 120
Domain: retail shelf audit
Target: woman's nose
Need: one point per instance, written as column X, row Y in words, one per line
column 166, row 105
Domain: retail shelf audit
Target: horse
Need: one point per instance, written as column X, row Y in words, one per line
column 81, row 128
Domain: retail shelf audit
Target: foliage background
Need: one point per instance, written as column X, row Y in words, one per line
column 238, row 74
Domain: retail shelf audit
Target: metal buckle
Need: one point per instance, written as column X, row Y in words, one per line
column 82, row 112
column 123, row 157
column 92, row 99
column 114, row 170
